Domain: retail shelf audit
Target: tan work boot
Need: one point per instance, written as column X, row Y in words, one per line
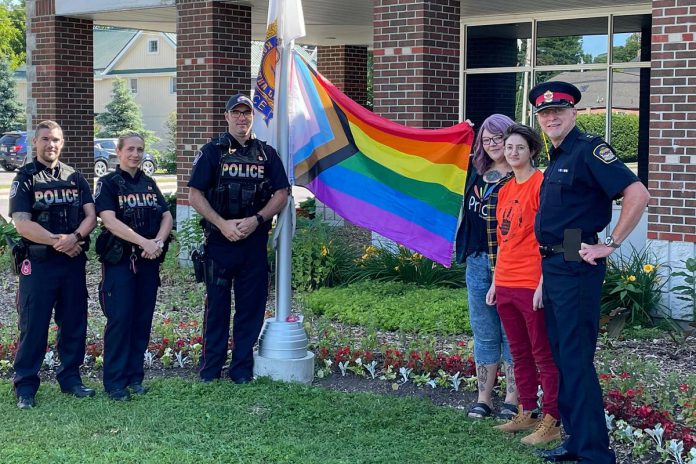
column 547, row 431
column 522, row 421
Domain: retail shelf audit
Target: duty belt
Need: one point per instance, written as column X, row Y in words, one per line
column 550, row 250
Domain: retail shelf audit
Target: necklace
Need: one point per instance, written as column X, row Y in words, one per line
column 492, row 176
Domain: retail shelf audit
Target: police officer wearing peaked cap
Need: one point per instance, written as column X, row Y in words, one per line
column 137, row 224
column 583, row 178
column 53, row 210
column 238, row 184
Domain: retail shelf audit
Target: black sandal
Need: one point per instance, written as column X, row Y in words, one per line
column 507, row 412
column 480, row 411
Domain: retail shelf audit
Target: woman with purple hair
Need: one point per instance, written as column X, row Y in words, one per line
column 477, row 247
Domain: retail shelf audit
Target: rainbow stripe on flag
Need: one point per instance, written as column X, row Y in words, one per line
column 403, row 183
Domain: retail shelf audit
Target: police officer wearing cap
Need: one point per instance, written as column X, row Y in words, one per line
column 583, row 178
column 53, row 210
column 137, row 224
column 238, row 184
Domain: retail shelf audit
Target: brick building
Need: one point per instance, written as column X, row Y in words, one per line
column 435, row 62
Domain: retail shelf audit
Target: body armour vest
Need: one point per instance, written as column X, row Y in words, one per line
column 242, row 187
column 57, row 204
column 138, row 207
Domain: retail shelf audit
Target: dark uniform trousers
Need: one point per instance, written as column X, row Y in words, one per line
column 128, row 301
column 572, row 293
column 246, row 264
column 56, row 281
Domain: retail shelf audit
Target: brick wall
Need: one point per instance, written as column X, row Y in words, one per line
column 213, row 63
column 60, row 80
column 345, row 66
column 672, row 159
column 416, row 61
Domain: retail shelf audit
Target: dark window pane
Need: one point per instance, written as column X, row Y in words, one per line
column 501, row 45
column 504, row 93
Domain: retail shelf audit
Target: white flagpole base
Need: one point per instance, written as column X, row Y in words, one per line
column 286, row 370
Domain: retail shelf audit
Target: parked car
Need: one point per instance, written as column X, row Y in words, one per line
column 13, row 150
column 105, row 162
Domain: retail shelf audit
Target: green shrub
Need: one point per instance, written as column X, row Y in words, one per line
column 634, row 282
column 393, row 306
column 320, row 258
column 190, row 234
column 401, row 265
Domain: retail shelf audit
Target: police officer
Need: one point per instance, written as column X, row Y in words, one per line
column 53, row 210
column 137, row 224
column 238, row 184
column 584, row 176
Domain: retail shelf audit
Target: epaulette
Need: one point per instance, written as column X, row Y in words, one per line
column 590, row 138
column 222, row 140
column 28, row 169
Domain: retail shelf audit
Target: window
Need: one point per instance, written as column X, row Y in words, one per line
column 153, row 46
column 172, row 85
column 606, row 56
column 134, row 86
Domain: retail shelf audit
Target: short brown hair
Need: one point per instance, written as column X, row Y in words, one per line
column 48, row 124
column 529, row 135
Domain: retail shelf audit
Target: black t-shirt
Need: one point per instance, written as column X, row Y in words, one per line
column 475, row 213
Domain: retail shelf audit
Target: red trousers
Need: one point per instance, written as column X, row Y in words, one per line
column 530, row 348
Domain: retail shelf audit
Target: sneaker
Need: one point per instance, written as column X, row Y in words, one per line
column 120, row 394
column 137, row 388
column 522, row 421
column 547, row 431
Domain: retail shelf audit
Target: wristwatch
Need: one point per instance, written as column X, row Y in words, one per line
column 78, row 236
column 610, row 242
column 259, row 218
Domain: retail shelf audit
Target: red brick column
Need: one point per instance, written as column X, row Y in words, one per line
column 213, row 63
column 60, row 78
column 346, row 67
column 416, row 61
column 672, row 177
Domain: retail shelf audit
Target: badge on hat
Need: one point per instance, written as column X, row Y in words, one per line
column 605, row 154
column 548, row 96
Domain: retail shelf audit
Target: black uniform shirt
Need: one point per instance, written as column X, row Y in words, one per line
column 205, row 173
column 583, row 177
column 22, row 189
column 106, row 192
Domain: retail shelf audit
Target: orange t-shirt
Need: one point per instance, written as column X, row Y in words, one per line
column 519, row 261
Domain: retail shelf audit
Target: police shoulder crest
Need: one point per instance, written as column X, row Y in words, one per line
column 199, row 153
column 13, row 188
column 604, row 153
column 97, row 189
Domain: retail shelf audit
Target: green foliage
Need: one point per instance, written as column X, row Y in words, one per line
column 319, row 256
column 308, row 208
column 624, row 132
column 171, row 205
column 401, row 265
column 122, row 115
column 190, row 233
column 634, row 282
column 11, row 110
column 13, row 43
column 8, row 232
column 167, row 160
column 186, row 422
column 394, row 306
column 687, row 291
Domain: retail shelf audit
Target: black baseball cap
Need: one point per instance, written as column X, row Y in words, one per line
column 236, row 100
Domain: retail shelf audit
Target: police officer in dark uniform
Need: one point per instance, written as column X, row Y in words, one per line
column 137, row 224
column 238, row 184
column 53, row 210
column 584, row 176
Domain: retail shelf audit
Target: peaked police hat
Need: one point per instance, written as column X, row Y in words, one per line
column 236, row 100
column 554, row 94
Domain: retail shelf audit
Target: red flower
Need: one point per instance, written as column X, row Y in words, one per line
column 166, row 321
column 624, row 376
column 605, row 376
column 683, row 387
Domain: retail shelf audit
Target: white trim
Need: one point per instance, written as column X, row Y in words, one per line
column 136, row 75
column 122, row 52
column 627, row 10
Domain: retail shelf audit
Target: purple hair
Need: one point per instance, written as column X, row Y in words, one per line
column 496, row 124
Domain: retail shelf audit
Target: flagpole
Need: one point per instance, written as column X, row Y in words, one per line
column 284, row 250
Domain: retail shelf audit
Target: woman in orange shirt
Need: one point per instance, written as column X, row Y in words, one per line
column 516, row 290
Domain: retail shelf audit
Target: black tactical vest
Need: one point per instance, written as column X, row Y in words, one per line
column 57, row 203
column 138, row 207
column 242, row 188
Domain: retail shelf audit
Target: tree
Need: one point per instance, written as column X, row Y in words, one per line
column 11, row 109
column 122, row 115
column 13, row 43
column 168, row 159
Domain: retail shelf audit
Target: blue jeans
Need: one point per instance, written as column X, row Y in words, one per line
column 489, row 337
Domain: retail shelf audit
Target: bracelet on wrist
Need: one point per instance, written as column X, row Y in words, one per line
column 78, row 236
column 259, row 218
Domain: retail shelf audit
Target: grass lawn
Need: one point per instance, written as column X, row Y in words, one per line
column 184, row 421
